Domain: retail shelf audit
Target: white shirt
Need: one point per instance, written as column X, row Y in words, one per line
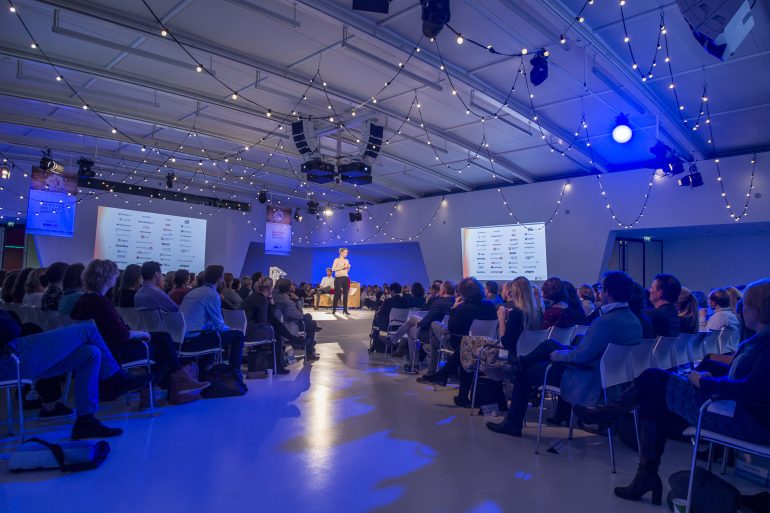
column 327, row 281
column 723, row 318
column 341, row 266
column 33, row 299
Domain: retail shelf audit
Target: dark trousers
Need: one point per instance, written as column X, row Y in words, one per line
column 341, row 288
column 310, row 326
column 318, row 292
column 162, row 351
column 530, row 377
column 232, row 342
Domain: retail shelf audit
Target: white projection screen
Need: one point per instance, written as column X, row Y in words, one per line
column 133, row 237
column 502, row 253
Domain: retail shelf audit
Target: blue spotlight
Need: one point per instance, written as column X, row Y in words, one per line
column 622, row 132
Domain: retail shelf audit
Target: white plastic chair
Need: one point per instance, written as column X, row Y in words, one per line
column 680, row 351
column 580, row 330
column 484, row 328
column 641, row 356
column 235, row 319
column 728, row 340
column 529, row 340
column 145, row 362
column 695, row 347
column 8, row 385
column 149, row 320
column 711, row 343
column 615, row 369
column 130, row 316
column 662, row 357
column 563, row 336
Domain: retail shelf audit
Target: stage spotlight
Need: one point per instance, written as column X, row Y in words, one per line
column 435, row 14
column 622, row 132
column 539, row 68
column 355, row 216
column 170, row 178
column 312, row 207
column 262, row 197
column 328, row 212
column 49, row 164
column 5, row 172
column 297, row 215
column 85, row 168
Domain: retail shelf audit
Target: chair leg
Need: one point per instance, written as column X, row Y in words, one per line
column 475, row 382
column 19, row 398
column 636, row 430
column 67, row 385
column 540, row 415
column 417, row 347
column 9, row 404
column 711, row 455
column 725, row 453
column 571, row 422
column 612, row 448
column 693, row 464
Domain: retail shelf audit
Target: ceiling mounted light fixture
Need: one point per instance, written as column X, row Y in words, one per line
column 622, row 132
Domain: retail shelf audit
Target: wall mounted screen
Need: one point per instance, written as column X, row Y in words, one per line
column 133, row 237
column 505, row 252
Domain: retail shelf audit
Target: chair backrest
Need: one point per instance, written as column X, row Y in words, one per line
column 484, row 328
column 641, row 356
column 130, row 316
column 418, row 313
column 27, row 314
column 149, row 320
column 529, row 340
column 615, row 365
column 696, row 347
column 711, row 343
column 579, row 331
column 662, row 357
column 235, row 319
column 728, row 340
column 398, row 315
column 445, row 320
column 173, row 324
column 680, row 352
column 561, row 335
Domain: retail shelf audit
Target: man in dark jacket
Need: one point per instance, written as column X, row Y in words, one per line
column 79, row 348
column 664, row 293
column 396, row 300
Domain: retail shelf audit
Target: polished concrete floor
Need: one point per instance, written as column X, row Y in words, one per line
column 346, row 434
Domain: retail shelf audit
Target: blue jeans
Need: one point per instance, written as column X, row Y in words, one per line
column 78, row 348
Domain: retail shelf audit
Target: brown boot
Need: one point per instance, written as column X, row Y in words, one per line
column 184, row 383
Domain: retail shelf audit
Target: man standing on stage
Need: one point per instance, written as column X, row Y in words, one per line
column 341, row 267
column 326, row 286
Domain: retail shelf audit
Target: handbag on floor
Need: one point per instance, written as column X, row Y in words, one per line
column 225, row 382
column 75, row 456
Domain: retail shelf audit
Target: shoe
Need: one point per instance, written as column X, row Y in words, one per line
column 639, row 487
column 183, row 384
column 89, row 427
column 462, row 402
column 345, row 312
column 59, row 411
column 503, row 428
column 556, row 421
column 282, row 370
column 318, row 328
column 432, row 379
column 122, row 383
column 410, row 370
column 312, row 357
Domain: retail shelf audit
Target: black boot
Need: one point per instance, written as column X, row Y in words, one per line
column 607, row 414
column 462, row 399
column 88, row 426
column 504, row 427
column 562, row 413
column 652, row 443
column 122, row 382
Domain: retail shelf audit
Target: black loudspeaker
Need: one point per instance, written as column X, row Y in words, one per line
column 302, row 131
column 373, row 136
column 378, row 6
column 320, row 178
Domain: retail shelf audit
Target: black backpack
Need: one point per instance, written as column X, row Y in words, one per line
column 710, row 493
column 225, row 382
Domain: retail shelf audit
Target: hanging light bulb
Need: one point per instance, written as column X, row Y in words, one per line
column 164, row 33
column 460, row 39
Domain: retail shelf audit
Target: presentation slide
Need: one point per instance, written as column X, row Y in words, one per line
column 502, row 253
column 132, row 237
column 50, row 213
column 277, row 231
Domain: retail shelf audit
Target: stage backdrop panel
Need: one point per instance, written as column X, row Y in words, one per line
column 376, row 263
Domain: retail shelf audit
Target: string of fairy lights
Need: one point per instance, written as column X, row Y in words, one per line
column 227, row 170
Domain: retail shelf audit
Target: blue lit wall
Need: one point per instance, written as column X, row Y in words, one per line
column 370, row 264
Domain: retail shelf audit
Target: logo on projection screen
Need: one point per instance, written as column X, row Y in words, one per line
column 500, row 252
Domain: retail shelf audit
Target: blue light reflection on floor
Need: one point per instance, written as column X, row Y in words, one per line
column 445, row 421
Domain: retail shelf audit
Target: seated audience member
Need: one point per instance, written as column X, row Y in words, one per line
column 123, row 342
column 168, row 282
column 78, row 349
column 433, row 293
column 557, row 312
column 703, row 308
column 519, row 312
column 576, row 308
column 181, row 286
column 265, row 286
column 130, row 281
column 151, row 296
column 261, row 322
column 687, row 309
column 72, row 285
column 54, row 276
column 469, row 306
column 8, row 286
column 664, row 294
column 236, row 285
column 668, row 403
column 291, row 309
column 579, row 377
column 202, row 309
column 586, row 296
column 723, row 317
column 636, row 304
column 17, row 296
column 199, row 279
column 326, row 286
column 491, row 293
column 735, row 298
column 396, row 300
column 34, row 288
column 417, row 298
column 597, row 293
column 228, row 294
column 439, row 307
column 245, row 288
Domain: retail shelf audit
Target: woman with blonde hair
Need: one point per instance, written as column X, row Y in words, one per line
column 687, row 306
column 341, row 268
column 34, row 288
column 735, row 297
